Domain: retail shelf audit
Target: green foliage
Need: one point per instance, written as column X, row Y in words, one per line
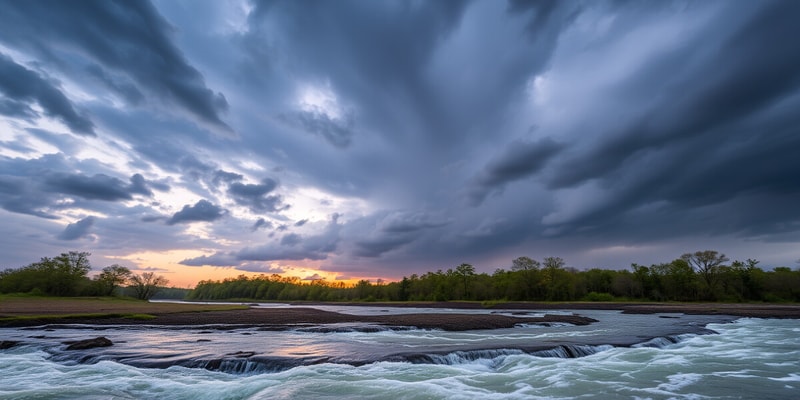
column 529, row 280
column 594, row 296
column 699, row 276
column 64, row 275
column 111, row 278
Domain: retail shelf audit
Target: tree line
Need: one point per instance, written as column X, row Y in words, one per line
column 67, row 275
column 700, row 276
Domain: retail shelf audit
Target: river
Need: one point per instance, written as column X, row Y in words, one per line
column 621, row 356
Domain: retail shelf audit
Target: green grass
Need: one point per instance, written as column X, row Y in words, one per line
column 141, row 317
column 76, row 316
column 26, row 307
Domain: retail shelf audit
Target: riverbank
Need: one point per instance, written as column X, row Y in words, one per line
column 22, row 312
column 273, row 318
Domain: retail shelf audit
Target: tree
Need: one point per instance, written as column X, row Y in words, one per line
column 64, row 272
column 551, row 267
column 146, row 285
column 465, row 271
column 111, row 278
column 679, row 281
column 528, row 268
column 707, row 263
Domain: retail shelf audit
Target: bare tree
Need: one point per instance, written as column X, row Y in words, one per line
column 147, row 284
column 707, row 264
column 551, row 265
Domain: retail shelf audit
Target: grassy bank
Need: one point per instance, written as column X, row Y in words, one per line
column 42, row 308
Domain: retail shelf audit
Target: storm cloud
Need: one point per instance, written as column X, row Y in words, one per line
column 380, row 139
column 128, row 38
column 77, row 229
column 202, row 211
column 22, row 87
column 256, row 196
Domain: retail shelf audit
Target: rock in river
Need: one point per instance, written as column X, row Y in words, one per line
column 89, row 343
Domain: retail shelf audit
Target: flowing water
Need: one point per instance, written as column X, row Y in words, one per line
column 622, row 356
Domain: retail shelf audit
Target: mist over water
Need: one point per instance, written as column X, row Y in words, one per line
column 747, row 358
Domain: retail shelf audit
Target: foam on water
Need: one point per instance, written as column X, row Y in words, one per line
column 750, row 358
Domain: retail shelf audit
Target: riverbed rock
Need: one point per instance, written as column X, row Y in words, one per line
column 100, row 341
column 243, row 354
column 7, row 344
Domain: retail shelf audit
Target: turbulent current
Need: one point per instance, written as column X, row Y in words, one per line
column 622, row 356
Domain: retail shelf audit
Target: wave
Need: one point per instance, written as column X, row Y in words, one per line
column 246, row 363
column 749, row 358
column 249, row 363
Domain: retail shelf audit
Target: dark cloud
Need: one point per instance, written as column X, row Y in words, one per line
column 128, row 38
column 405, row 222
column 291, row 239
column 120, row 85
column 380, row 234
column 703, row 99
column 16, row 108
column 96, row 187
column 337, row 131
column 37, row 187
column 277, row 253
column 297, row 247
column 301, row 222
column 520, row 160
column 216, row 260
column 77, row 229
column 260, row 268
column 255, row 196
column 139, row 185
column 387, row 46
column 221, row 176
column 203, row 211
column 375, row 247
column 152, row 218
column 18, row 196
column 22, row 87
column 261, row 223
column 715, row 134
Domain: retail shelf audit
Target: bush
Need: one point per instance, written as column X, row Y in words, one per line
column 594, row 296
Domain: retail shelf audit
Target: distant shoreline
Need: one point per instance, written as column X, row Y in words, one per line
column 752, row 310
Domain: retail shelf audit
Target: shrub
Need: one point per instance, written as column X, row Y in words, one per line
column 594, row 296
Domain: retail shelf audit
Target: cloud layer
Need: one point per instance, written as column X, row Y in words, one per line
column 387, row 138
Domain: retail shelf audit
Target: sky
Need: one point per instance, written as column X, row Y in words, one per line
column 347, row 140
